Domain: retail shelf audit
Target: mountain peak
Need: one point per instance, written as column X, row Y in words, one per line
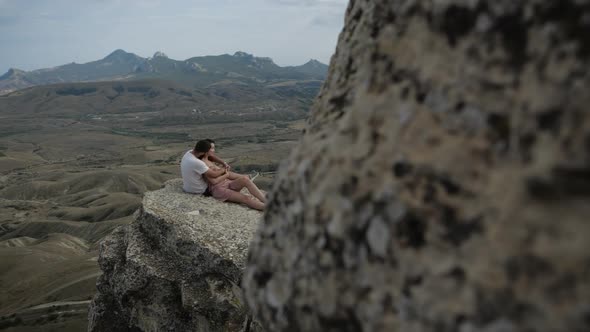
column 11, row 73
column 241, row 54
column 117, row 53
column 159, row 54
column 15, row 71
column 314, row 63
column 120, row 56
column 254, row 61
column 313, row 67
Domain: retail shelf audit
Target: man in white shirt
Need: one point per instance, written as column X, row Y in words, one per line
column 223, row 185
column 193, row 169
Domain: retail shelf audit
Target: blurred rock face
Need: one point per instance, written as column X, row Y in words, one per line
column 443, row 182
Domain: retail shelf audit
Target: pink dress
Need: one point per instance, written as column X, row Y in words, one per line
column 223, row 189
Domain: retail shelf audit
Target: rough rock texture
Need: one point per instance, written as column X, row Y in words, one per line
column 177, row 267
column 443, row 182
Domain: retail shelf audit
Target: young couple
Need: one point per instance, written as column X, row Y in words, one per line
column 201, row 175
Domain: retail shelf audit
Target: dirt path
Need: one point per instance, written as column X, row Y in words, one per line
column 57, row 304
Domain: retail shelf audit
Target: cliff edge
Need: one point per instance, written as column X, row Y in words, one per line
column 177, row 267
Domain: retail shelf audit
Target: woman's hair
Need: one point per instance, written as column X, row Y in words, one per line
column 202, row 146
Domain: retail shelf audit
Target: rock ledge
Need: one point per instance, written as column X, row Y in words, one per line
column 176, row 267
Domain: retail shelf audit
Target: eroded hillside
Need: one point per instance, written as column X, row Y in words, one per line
column 76, row 159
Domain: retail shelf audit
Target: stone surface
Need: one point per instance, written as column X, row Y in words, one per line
column 443, row 180
column 177, row 267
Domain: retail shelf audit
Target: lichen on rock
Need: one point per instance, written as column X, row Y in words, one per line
column 177, row 267
column 443, row 180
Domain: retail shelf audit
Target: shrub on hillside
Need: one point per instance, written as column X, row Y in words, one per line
column 71, row 91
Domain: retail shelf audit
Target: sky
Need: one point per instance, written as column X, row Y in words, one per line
column 46, row 33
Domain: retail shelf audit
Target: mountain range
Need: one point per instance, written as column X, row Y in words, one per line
column 195, row 72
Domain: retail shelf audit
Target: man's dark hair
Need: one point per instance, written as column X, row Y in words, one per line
column 202, row 146
column 209, row 140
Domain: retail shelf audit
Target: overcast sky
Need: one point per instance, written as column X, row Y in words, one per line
column 45, row 33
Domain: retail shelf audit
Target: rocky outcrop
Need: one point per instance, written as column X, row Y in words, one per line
column 177, row 267
column 12, row 80
column 443, row 181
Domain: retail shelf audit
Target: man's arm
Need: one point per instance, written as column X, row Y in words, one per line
column 215, row 176
column 218, row 160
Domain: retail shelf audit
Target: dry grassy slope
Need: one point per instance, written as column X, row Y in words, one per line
column 47, row 251
column 46, row 283
column 17, row 242
column 94, row 195
column 148, row 98
column 55, row 266
column 89, row 196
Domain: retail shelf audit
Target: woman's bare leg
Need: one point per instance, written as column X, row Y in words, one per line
column 235, row 176
column 237, row 197
column 242, row 182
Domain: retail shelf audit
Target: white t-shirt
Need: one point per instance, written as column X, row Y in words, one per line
column 192, row 170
